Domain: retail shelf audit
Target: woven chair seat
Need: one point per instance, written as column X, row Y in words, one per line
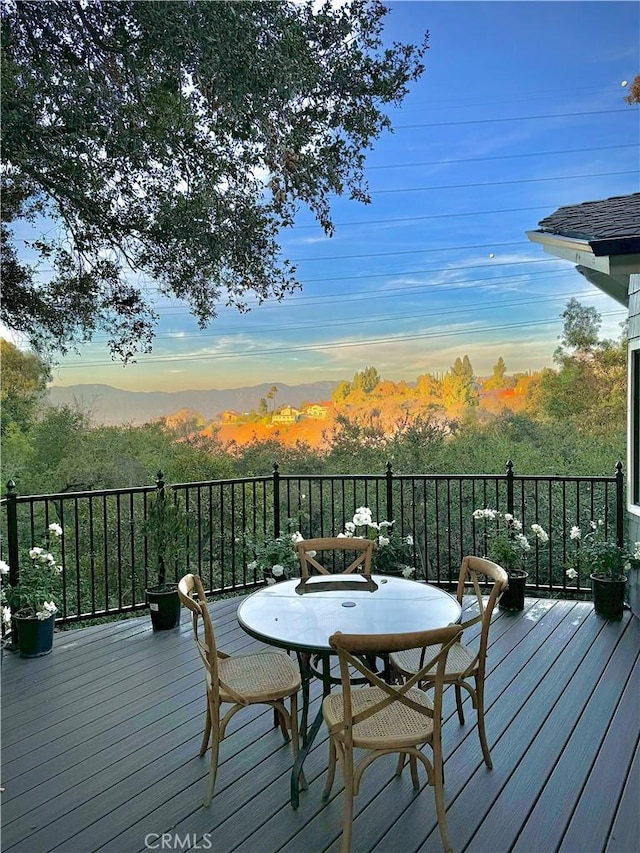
column 459, row 660
column 392, row 727
column 267, row 675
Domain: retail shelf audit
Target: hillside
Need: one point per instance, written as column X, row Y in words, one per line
column 113, row 406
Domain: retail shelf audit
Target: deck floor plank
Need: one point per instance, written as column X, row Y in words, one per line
column 101, row 739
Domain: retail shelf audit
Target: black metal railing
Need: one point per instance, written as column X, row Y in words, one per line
column 108, row 565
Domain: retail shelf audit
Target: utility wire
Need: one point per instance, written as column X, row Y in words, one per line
column 496, row 157
column 502, row 183
column 244, row 353
column 514, row 118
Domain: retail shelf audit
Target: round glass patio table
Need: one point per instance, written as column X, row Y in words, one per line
column 301, row 615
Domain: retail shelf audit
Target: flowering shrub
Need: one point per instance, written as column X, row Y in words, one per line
column 39, row 583
column 599, row 555
column 392, row 553
column 504, row 541
column 275, row 557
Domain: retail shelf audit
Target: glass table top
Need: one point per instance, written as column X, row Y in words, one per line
column 302, row 615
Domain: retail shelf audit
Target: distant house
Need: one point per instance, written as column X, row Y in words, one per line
column 602, row 238
column 316, row 411
column 229, row 416
column 286, row 415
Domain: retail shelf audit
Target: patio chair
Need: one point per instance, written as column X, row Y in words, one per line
column 240, row 680
column 465, row 667
column 385, row 718
column 309, row 548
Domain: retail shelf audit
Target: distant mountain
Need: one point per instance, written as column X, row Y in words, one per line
column 108, row 405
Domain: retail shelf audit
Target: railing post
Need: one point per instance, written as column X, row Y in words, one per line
column 389, row 514
column 13, row 552
column 160, row 495
column 510, row 476
column 276, row 500
column 620, row 504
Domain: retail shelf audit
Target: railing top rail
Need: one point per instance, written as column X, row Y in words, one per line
column 90, row 493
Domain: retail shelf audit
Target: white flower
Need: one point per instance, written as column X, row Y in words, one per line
column 508, row 516
column 362, row 516
column 48, row 609
column 487, row 513
column 6, row 615
column 297, row 536
column 311, row 553
column 382, row 541
column 4, row 568
column 516, row 524
column 523, row 542
column 575, row 533
column 571, row 573
column 277, row 571
column 350, row 527
column 252, row 565
column 342, row 536
column 627, row 566
column 386, row 524
column 270, row 581
column 55, row 528
column 35, row 552
column 408, row 571
column 542, row 535
column 409, row 539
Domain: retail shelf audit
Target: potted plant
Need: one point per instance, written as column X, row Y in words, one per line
column 393, row 552
column 504, row 543
column 607, row 564
column 274, row 557
column 29, row 606
column 165, row 527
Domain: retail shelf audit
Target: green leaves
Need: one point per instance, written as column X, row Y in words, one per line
column 145, row 130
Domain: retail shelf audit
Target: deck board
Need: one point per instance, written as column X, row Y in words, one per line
column 100, row 746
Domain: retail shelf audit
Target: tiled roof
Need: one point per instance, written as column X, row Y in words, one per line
column 597, row 220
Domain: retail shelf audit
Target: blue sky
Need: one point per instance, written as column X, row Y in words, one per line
column 520, row 110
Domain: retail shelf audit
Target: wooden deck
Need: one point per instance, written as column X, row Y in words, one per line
column 100, row 747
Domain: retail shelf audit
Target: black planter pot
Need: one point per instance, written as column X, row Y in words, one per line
column 512, row 599
column 33, row 637
column 164, row 606
column 608, row 597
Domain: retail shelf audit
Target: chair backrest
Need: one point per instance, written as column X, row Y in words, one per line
column 472, row 571
column 308, row 550
column 353, row 651
column 191, row 594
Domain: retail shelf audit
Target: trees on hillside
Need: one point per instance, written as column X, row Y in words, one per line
column 177, row 139
column 23, row 382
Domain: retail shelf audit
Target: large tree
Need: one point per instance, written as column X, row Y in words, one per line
column 177, row 139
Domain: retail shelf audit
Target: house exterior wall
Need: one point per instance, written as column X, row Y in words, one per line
column 633, row 448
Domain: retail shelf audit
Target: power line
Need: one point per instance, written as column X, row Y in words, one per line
column 497, row 157
column 332, row 345
column 411, row 251
column 502, row 183
column 386, row 318
column 514, row 118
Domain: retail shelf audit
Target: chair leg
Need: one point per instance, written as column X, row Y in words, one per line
column 213, row 768
column 458, row 690
column 413, row 764
column 438, row 785
column 207, row 731
column 481, row 729
column 347, row 817
column 331, row 770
